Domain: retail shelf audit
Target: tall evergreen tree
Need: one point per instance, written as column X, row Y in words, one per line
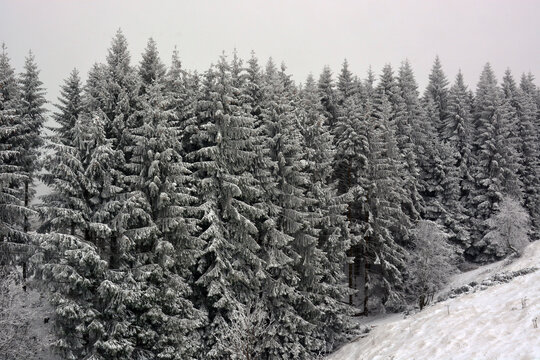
column 457, row 134
column 12, row 175
column 388, row 223
column 63, row 163
column 407, row 117
column 327, row 212
column 327, row 94
column 31, row 119
column 229, row 270
column 494, row 170
column 161, row 225
column 437, row 91
column 524, row 139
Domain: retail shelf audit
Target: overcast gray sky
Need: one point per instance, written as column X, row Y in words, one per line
column 306, row 35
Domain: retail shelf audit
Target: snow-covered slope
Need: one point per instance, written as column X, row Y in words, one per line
column 26, row 322
column 496, row 323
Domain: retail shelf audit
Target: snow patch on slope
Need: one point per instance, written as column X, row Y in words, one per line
column 496, row 323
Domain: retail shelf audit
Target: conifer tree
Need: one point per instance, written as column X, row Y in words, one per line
column 31, row 121
column 73, row 257
column 327, row 214
column 12, row 175
column 457, row 135
column 63, row 164
column 407, row 116
column 524, row 138
column 160, row 224
column 229, row 270
column 494, row 170
column 287, row 233
column 327, row 94
column 388, row 223
column 345, row 85
column 350, row 172
column 117, row 101
column 437, row 91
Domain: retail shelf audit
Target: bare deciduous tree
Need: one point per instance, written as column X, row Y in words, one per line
column 510, row 227
column 429, row 262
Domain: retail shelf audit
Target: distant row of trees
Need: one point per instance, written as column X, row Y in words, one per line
column 187, row 212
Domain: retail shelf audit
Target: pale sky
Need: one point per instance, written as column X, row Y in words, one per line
column 306, row 35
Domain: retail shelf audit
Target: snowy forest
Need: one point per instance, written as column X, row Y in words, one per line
column 237, row 214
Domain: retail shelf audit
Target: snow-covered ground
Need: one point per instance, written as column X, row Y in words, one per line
column 26, row 323
column 497, row 323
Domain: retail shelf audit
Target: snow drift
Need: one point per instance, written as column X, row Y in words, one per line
column 498, row 322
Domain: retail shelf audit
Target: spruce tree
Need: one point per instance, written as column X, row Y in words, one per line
column 158, row 217
column 494, row 170
column 386, row 194
column 457, row 134
column 323, row 260
column 407, row 116
column 229, row 271
column 350, row 170
column 62, row 164
column 327, row 94
column 12, row 175
column 287, row 234
column 73, row 258
column 32, row 101
column 437, row 91
column 525, row 142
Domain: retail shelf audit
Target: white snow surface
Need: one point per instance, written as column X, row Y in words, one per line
column 491, row 324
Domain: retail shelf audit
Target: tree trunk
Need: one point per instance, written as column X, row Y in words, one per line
column 26, row 225
column 350, row 251
column 366, row 294
column 113, row 263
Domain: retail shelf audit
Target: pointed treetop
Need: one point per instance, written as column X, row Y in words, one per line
column 437, row 80
column 527, row 84
column 8, row 80
column 31, row 85
column 487, row 77
column 175, row 71
column 386, row 82
column 345, row 81
column 271, row 68
column 118, row 57
column 406, row 79
column 151, row 68
column 509, row 85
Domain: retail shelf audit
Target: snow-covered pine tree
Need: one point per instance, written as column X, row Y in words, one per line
column 12, row 175
column 346, row 86
column 457, row 135
column 437, row 91
column 32, row 101
column 229, row 270
column 408, row 113
column 286, row 232
column 525, row 141
column 159, row 225
column 386, row 194
column 118, row 91
column 495, row 169
column 64, row 205
column 117, row 100
column 327, row 94
column 324, row 281
column 181, row 101
column 73, row 257
column 350, row 173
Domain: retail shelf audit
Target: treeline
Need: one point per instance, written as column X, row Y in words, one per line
column 212, row 216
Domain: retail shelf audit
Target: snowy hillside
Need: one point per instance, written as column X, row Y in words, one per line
column 498, row 322
column 26, row 322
